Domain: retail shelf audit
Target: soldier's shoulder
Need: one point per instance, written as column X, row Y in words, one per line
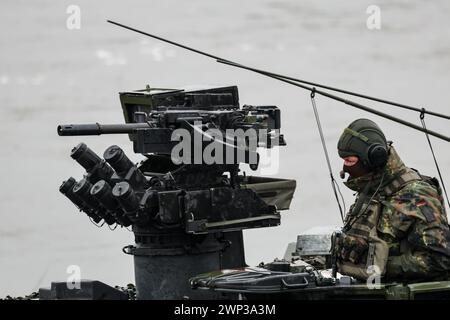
column 418, row 199
column 419, row 188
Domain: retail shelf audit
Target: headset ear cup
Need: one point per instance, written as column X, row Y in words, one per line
column 377, row 155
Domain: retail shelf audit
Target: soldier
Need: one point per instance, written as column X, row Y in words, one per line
column 397, row 226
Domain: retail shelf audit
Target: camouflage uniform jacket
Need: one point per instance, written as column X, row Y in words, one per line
column 412, row 221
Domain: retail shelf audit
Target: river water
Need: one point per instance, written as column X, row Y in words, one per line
column 50, row 75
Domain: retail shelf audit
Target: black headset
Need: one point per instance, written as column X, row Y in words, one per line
column 376, row 153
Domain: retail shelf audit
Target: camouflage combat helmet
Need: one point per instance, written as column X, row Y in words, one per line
column 364, row 139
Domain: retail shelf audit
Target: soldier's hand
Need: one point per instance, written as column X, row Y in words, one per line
column 352, row 248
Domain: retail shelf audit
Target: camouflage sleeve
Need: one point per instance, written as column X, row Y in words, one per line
column 417, row 218
column 426, row 258
column 408, row 266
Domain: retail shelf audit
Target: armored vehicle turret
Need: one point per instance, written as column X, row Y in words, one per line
column 186, row 202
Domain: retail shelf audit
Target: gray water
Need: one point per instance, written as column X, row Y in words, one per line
column 51, row 75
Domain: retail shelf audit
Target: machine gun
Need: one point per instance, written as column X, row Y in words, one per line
column 186, row 199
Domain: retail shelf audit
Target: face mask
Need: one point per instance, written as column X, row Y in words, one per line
column 353, row 167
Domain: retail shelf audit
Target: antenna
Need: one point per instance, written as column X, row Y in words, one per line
column 268, row 73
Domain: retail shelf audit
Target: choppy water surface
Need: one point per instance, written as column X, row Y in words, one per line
column 50, row 75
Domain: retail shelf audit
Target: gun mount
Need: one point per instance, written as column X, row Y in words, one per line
column 187, row 211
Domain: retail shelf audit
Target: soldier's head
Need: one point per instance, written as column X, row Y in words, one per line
column 363, row 147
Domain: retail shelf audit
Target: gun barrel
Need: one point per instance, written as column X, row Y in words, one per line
column 98, row 129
